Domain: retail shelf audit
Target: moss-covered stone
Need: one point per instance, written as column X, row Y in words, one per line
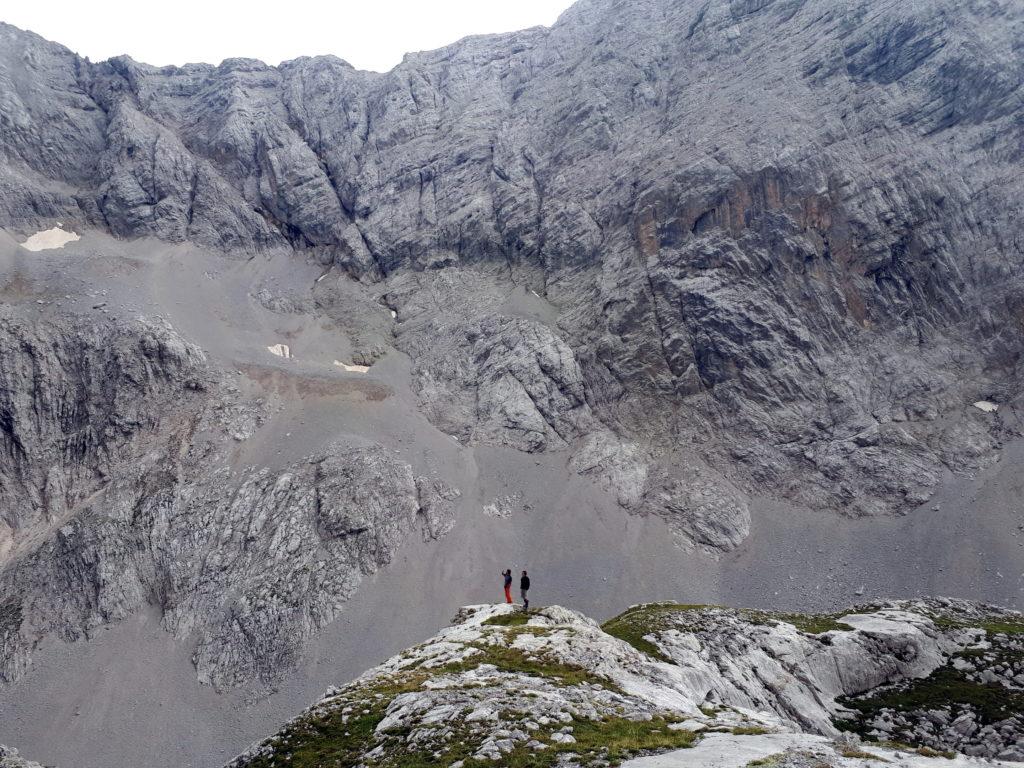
column 514, row 619
column 640, row 620
column 809, row 623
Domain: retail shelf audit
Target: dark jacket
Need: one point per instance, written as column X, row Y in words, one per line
column 524, row 582
column 508, row 579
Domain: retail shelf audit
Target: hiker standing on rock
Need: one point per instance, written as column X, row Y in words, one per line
column 524, row 588
column 508, row 585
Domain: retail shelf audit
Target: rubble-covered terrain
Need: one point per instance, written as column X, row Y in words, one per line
column 974, row 703
column 551, row 687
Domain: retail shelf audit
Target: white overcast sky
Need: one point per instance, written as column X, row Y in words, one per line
column 369, row 34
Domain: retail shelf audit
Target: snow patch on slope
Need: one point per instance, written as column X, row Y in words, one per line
column 48, row 239
column 352, row 368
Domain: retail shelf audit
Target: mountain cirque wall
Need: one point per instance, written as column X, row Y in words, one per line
column 782, row 239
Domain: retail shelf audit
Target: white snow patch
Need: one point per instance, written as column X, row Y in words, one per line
column 986, row 405
column 393, row 313
column 352, row 368
column 46, row 239
column 281, row 350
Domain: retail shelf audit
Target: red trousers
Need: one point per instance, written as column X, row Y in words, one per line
column 508, row 594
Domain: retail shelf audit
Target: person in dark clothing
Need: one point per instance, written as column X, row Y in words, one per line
column 524, row 588
column 508, row 585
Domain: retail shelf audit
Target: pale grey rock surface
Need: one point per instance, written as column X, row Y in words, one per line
column 788, row 750
column 489, row 686
column 9, row 758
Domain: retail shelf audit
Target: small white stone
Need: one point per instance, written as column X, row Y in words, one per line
column 281, row 350
column 690, row 725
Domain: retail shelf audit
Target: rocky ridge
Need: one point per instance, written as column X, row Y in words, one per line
column 554, row 688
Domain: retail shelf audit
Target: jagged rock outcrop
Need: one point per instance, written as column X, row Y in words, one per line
column 509, row 381
column 555, row 688
column 77, row 398
column 250, row 566
column 666, row 686
column 111, row 503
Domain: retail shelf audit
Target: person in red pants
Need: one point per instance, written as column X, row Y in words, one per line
column 508, row 585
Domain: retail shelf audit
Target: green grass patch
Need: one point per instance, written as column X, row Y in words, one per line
column 929, row 752
column 945, row 687
column 994, row 625
column 860, row 754
column 624, row 738
column 326, row 738
column 514, row 619
column 633, row 624
column 762, row 762
column 514, row 660
column 899, row 746
column 612, row 739
column 811, row 624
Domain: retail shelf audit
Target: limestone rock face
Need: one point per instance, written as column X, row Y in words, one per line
column 511, row 381
column 252, row 566
column 111, row 503
column 76, row 399
column 783, row 230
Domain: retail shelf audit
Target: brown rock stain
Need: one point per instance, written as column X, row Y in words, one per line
column 303, row 385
